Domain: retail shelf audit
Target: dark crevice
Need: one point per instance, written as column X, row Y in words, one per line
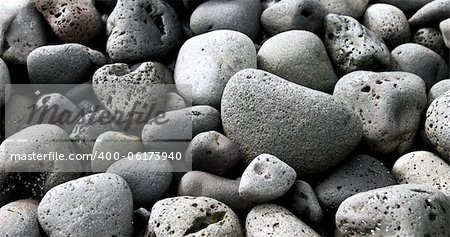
column 202, row 222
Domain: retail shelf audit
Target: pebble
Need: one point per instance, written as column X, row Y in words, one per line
column 406, row 6
column 4, row 81
column 266, row 178
column 199, row 183
column 444, row 26
column 353, row 46
column 300, row 57
column 193, row 216
column 22, row 30
column 438, row 89
column 288, row 15
column 430, row 38
column 206, row 63
column 63, row 64
column 142, row 29
column 74, row 21
column 434, row 11
column 19, row 218
column 238, row 15
column 420, row 60
column 437, row 125
column 423, row 167
column 17, row 113
column 353, row 8
column 399, row 210
column 263, row 113
column 389, row 22
column 96, row 205
column 274, row 220
column 213, row 152
column 389, row 105
column 174, row 102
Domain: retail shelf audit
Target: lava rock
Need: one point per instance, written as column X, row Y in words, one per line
column 438, row 89
column 430, row 38
column 405, row 6
column 4, row 81
column 174, row 102
column 353, row 8
column 299, row 57
column 432, row 12
column 19, row 218
column 437, row 125
column 444, row 26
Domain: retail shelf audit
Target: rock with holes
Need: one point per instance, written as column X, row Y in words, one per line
column 352, row 46
column 406, row 6
column 21, row 30
column 102, row 202
column 430, row 38
column 72, row 21
column 63, row 64
column 263, row 113
column 353, row 8
column 389, row 22
column 423, row 167
column 266, row 178
column 437, row 125
column 198, row 183
column 274, row 220
column 174, row 102
column 142, row 29
column 432, row 12
column 444, row 26
column 399, row 210
column 420, row 60
column 19, row 218
column 293, row 15
column 300, row 57
column 389, row 105
column 358, row 174
column 193, row 216
column 242, row 16
column 213, row 152
column 4, row 81
column 438, row 89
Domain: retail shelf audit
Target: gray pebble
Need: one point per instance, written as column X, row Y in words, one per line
column 19, row 218
column 406, row 6
column 193, row 216
column 435, row 11
column 4, row 81
column 358, row 174
column 444, row 26
column 273, row 220
column 17, row 113
column 438, row 89
column 353, row 8
column 206, row 63
column 174, row 102
column 420, row 60
column 263, row 113
column 287, row 15
column 352, row 46
column 389, row 105
column 430, row 38
column 437, row 125
column 96, row 205
column 399, row 210
column 300, row 57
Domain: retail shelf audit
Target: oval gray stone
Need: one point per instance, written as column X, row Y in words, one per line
column 430, row 38
column 434, row 11
column 437, row 125
column 353, row 8
column 4, row 81
column 438, row 89
column 174, row 102
column 19, row 218
column 444, row 26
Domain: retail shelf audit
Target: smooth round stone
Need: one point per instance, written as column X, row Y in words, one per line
column 437, row 125
column 406, row 6
column 389, row 105
column 22, row 30
column 274, row 220
column 287, row 15
column 353, row 46
column 432, row 12
column 238, row 15
column 149, row 180
column 358, row 174
column 193, row 216
column 438, row 89
column 423, row 167
column 266, row 178
column 96, row 205
column 430, row 38
column 353, row 8
column 444, row 26
column 19, row 218
column 72, row 21
column 142, row 29
column 300, row 57
column 198, row 184
column 263, row 113
column 4, row 81
column 389, row 22
column 63, row 64
column 206, row 63
column 399, row 210
column 420, row 60
column 174, row 102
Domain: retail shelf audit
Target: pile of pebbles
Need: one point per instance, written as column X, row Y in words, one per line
column 309, row 117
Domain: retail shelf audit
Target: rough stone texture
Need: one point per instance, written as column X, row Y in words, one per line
column 430, row 38
column 17, row 113
column 420, row 60
column 19, row 218
column 437, row 125
column 353, row 8
column 273, row 220
column 263, row 113
column 193, row 216
column 72, row 21
column 406, row 6
column 174, row 102
column 142, row 29
column 96, row 205
column 389, row 105
column 352, row 46
column 206, row 63
column 238, row 15
column 438, row 89
column 21, row 30
column 287, row 15
column 4, row 81
column 389, row 22
column 299, row 57
column 435, row 11
column 400, row 210
column 444, row 26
